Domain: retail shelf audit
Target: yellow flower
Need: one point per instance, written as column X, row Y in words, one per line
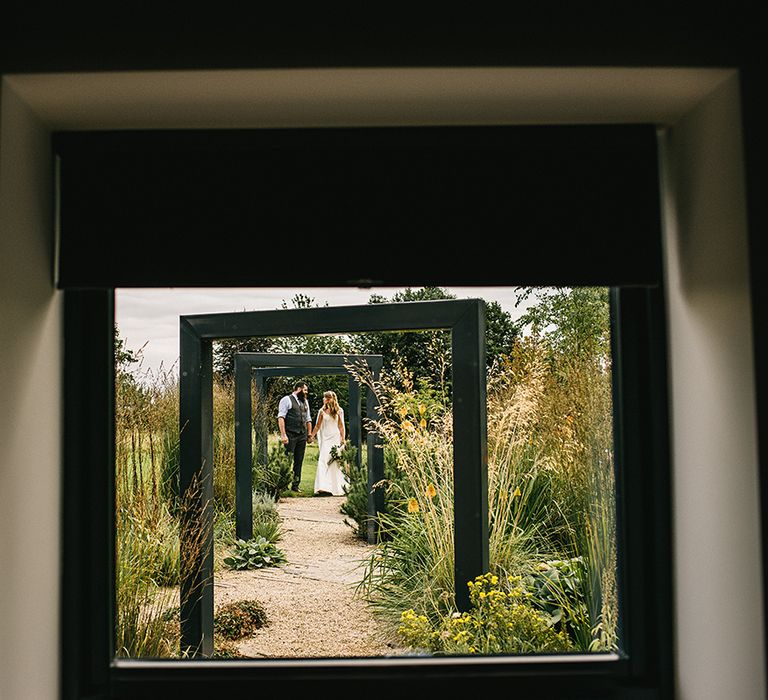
column 403, row 411
column 517, row 492
column 431, row 491
column 407, row 425
column 422, row 409
column 423, row 423
column 413, row 505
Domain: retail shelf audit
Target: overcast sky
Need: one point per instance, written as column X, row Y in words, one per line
column 149, row 318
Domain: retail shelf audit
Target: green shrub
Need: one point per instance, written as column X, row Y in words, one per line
column 276, row 476
column 169, row 445
column 413, row 565
column 264, row 507
column 237, row 620
column 257, row 553
column 267, row 529
column 557, row 590
column 266, row 519
column 148, row 565
column 356, row 504
column 500, row 622
column 345, row 455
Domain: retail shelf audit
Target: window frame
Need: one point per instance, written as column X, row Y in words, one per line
column 641, row 438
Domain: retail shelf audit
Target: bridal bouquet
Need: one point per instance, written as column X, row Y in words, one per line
column 341, row 455
column 336, row 454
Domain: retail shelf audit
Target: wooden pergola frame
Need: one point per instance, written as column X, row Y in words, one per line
column 254, row 366
column 465, row 319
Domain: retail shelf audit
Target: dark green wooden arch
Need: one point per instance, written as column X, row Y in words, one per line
column 250, row 365
column 464, row 318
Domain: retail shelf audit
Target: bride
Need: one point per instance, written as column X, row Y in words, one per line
column 329, row 429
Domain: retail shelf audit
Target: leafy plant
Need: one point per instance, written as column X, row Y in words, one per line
column 264, row 507
column 239, row 619
column 268, row 529
column 557, row 589
column 257, row 553
column 248, row 615
column 356, row 504
column 413, row 564
column 223, row 526
column 266, row 519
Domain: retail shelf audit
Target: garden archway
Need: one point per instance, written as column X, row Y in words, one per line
column 253, row 365
column 465, row 319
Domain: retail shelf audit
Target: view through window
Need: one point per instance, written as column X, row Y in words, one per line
column 309, row 583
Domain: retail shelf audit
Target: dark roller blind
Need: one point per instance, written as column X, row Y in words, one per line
column 520, row 205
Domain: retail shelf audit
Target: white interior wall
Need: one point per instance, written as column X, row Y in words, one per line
column 717, row 534
column 30, row 411
column 719, row 612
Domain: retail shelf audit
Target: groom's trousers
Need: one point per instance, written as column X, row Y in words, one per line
column 296, row 446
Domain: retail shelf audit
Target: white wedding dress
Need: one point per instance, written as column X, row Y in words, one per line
column 329, row 477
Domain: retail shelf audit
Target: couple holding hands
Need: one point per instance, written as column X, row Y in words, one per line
column 296, row 430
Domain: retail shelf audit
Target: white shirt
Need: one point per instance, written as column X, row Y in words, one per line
column 285, row 405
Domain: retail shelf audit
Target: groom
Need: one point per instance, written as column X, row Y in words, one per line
column 295, row 425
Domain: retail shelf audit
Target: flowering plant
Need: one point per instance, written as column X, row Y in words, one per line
column 501, row 621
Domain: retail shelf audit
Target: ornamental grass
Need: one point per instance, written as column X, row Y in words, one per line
column 149, row 558
column 550, row 497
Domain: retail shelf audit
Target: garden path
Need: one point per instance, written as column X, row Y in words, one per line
column 310, row 601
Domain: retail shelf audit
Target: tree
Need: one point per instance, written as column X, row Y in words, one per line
column 224, row 350
column 124, row 357
column 311, row 344
column 574, row 320
column 424, row 354
column 501, row 331
column 224, row 353
column 300, row 301
column 314, row 345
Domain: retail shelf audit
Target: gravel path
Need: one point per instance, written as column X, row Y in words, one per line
column 310, row 602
